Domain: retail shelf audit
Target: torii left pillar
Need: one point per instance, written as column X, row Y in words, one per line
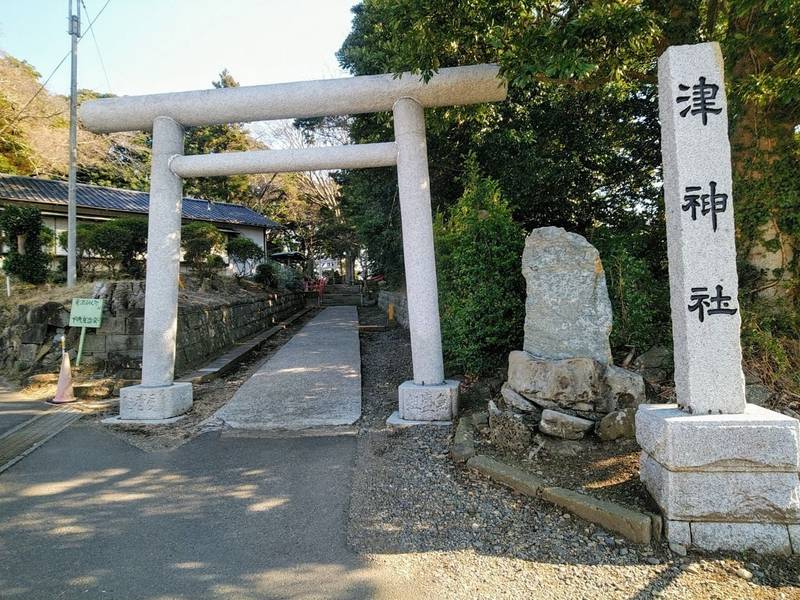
column 159, row 397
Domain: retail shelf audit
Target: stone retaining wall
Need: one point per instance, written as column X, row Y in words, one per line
column 205, row 329
column 400, row 305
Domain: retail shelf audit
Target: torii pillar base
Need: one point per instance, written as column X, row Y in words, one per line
column 142, row 403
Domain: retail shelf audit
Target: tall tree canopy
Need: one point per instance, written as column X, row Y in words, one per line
column 576, row 144
column 219, row 138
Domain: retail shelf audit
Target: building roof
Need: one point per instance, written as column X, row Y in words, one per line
column 287, row 256
column 49, row 191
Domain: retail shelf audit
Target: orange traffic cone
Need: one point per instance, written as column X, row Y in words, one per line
column 64, row 392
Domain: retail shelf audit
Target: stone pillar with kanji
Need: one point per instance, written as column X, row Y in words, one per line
column 723, row 472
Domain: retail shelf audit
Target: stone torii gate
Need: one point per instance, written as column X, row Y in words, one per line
column 429, row 397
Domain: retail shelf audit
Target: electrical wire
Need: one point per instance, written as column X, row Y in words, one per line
column 97, row 45
column 21, row 111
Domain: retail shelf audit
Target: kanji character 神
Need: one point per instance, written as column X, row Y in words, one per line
column 707, row 203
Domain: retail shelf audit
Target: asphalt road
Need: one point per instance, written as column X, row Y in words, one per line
column 89, row 516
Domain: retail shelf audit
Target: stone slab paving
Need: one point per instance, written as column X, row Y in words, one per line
column 314, row 380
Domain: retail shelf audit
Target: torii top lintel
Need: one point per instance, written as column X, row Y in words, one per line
column 352, row 95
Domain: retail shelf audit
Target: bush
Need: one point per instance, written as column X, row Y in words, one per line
column 22, row 226
column 266, row 275
column 118, row 242
column 200, row 241
column 274, row 275
column 83, row 245
column 481, row 289
column 245, row 254
column 639, row 300
column 771, row 343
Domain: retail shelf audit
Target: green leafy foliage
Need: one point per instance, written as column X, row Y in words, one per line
column 481, row 290
column 119, row 243
column 568, row 155
column 213, row 139
column 576, row 144
column 22, row 230
column 245, row 255
column 639, row 298
column 267, row 274
column 274, row 275
column 200, row 241
column 771, row 343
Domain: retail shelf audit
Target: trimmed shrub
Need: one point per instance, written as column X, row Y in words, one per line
column 22, row 229
column 119, row 243
column 266, row 275
column 200, row 241
column 481, row 288
column 245, row 255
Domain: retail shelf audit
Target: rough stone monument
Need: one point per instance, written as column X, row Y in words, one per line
column 564, row 379
column 724, row 473
column 567, row 311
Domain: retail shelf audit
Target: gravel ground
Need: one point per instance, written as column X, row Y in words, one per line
column 607, row 470
column 415, row 511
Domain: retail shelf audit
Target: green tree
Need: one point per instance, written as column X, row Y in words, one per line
column 569, row 150
column 22, row 229
column 120, row 243
column 201, row 242
column 591, row 67
column 245, row 254
column 219, row 138
column 481, row 290
column 83, row 247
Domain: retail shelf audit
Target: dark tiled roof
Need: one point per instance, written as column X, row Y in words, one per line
column 48, row 191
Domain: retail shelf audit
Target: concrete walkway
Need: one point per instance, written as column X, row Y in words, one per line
column 234, row 518
column 314, row 380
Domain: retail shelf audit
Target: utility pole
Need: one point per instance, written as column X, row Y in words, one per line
column 72, row 211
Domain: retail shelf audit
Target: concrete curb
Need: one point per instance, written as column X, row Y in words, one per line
column 638, row 527
column 241, row 351
column 631, row 524
column 463, row 447
column 517, row 479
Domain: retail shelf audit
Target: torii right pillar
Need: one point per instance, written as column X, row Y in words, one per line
column 723, row 472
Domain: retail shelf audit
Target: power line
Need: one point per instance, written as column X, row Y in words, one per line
column 19, row 114
column 97, row 45
column 21, row 111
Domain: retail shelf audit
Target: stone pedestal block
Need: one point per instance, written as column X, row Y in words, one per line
column 794, row 537
column 138, row 402
column 724, row 482
column 756, row 440
column 766, row 538
column 761, row 496
column 428, row 402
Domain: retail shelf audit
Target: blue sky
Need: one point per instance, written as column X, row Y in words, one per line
column 152, row 46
